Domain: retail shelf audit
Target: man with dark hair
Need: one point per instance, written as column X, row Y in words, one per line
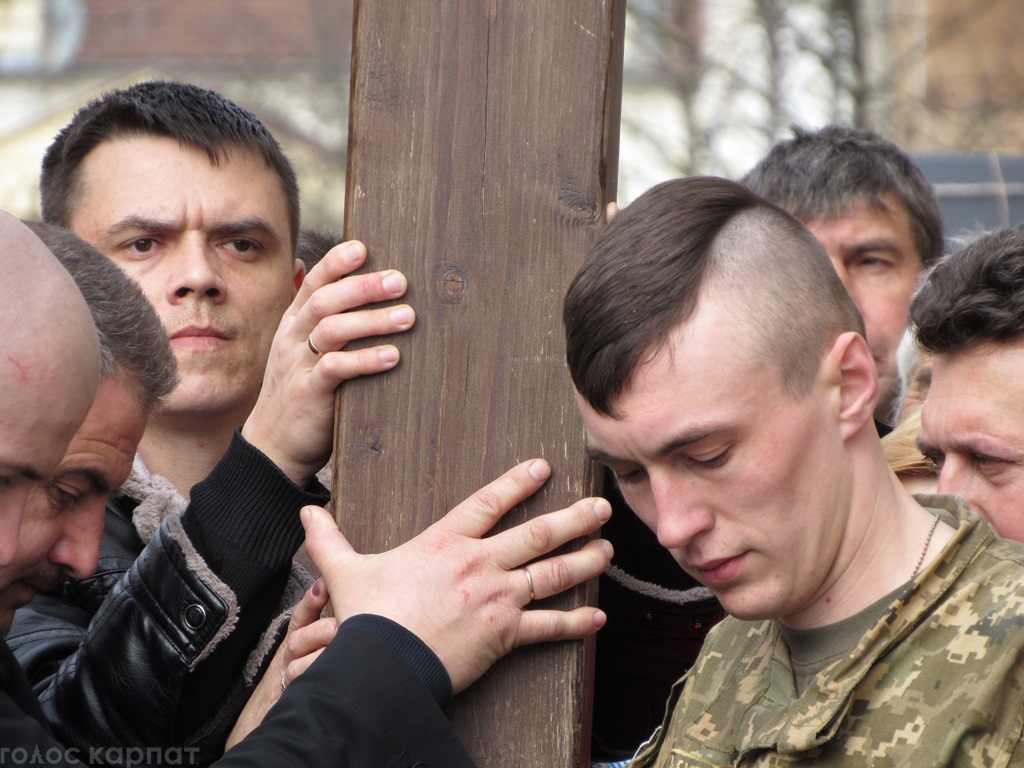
column 314, row 243
column 969, row 317
column 871, row 207
column 414, row 625
column 722, row 375
column 191, row 196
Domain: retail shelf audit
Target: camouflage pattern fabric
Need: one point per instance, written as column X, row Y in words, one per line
column 938, row 681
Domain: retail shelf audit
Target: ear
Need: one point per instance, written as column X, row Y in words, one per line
column 853, row 368
column 298, row 275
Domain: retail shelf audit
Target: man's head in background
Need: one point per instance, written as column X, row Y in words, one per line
column 969, row 318
column 871, row 207
column 192, row 196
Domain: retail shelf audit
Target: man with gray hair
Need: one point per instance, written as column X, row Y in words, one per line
column 64, row 516
column 871, row 207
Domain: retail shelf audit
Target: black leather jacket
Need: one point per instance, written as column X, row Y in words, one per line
column 163, row 645
column 374, row 697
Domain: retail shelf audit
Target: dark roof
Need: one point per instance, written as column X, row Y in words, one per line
column 976, row 191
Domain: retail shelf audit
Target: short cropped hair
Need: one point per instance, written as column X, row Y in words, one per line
column 974, row 296
column 822, row 174
column 193, row 116
column 314, row 243
column 651, row 264
column 132, row 339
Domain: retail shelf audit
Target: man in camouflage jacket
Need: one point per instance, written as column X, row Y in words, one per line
column 723, row 377
column 936, row 681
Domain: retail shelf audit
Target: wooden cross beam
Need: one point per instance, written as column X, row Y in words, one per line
column 482, row 149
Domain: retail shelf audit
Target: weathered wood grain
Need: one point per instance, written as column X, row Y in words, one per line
column 482, row 149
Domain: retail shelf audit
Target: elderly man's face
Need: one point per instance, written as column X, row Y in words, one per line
column 874, row 253
column 63, row 515
column 973, row 428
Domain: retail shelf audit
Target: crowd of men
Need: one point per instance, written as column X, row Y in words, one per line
column 167, row 402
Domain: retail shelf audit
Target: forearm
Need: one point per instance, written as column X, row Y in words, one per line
column 163, row 656
column 243, row 519
column 374, row 697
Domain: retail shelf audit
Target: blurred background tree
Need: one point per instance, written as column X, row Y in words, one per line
column 709, row 85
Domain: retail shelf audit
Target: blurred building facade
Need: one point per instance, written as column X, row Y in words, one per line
column 708, row 85
column 286, row 60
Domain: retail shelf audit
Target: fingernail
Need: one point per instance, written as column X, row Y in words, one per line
column 354, row 251
column 394, row 283
column 607, row 547
column 603, row 510
column 539, row 470
column 388, row 355
column 306, row 516
column 401, row 316
column 318, row 588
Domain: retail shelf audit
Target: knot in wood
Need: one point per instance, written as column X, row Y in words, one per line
column 452, row 284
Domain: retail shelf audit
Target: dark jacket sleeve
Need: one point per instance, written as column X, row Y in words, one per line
column 24, row 734
column 158, row 660
column 372, row 698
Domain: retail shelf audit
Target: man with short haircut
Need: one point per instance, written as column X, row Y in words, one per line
column 64, row 515
column 876, row 215
column 969, row 318
column 871, row 207
column 722, row 375
column 415, row 625
column 192, row 197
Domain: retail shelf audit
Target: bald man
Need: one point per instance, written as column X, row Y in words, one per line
column 49, row 372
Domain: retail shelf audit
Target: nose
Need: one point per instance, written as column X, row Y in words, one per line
column 681, row 513
column 198, row 272
column 955, row 477
column 78, row 547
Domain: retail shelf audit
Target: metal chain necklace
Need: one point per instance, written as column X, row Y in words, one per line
column 920, row 560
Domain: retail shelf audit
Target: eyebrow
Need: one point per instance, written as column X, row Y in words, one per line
column 21, row 469
column 138, row 222
column 98, row 482
column 687, row 437
column 876, row 244
column 220, row 229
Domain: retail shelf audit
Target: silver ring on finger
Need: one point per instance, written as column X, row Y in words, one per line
column 312, row 346
column 529, row 582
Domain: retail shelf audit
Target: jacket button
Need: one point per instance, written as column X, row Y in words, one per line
column 195, row 616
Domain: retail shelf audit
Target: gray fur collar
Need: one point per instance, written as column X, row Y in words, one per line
column 157, row 500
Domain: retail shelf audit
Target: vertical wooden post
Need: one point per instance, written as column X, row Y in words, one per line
column 482, row 149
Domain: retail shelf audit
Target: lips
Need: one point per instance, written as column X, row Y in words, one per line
column 197, row 337
column 194, row 331
column 720, row 571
